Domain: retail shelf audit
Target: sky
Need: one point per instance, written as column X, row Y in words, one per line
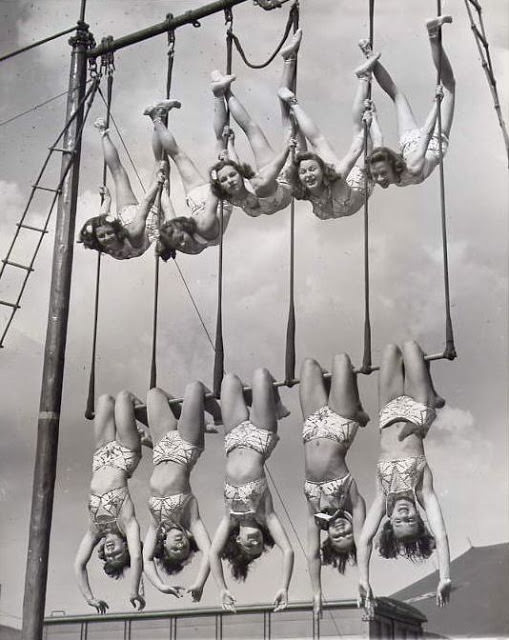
column 467, row 447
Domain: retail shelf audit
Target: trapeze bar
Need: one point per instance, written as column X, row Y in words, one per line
column 162, row 27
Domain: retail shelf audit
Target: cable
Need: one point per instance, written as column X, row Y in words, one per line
column 36, row 44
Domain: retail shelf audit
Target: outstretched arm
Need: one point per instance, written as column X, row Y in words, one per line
column 106, row 200
column 134, row 545
column 358, row 513
column 149, row 565
column 137, row 230
column 216, row 566
column 346, row 164
column 365, row 546
column 437, row 526
column 281, row 539
column 85, row 549
column 203, row 542
column 314, row 562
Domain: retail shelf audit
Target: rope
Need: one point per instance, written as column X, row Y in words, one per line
column 484, row 54
column 38, row 43
column 252, row 65
column 90, row 408
column 449, row 351
column 218, row 371
column 291, row 326
column 366, row 359
column 153, row 363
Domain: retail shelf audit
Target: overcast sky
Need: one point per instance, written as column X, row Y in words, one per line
column 467, row 447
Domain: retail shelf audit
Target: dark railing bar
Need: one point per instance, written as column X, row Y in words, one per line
column 189, row 17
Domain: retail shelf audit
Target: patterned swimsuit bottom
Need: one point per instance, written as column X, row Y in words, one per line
column 247, row 436
column 105, row 509
column 173, row 448
column 406, row 409
column 326, row 423
column 114, row 454
column 243, row 501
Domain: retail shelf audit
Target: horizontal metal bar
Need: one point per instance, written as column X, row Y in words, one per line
column 10, row 304
column 71, row 151
column 18, row 265
column 36, row 186
column 189, row 17
column 22, row 225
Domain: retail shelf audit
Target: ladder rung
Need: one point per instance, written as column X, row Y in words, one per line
column 36, row 186
column 72, row 151
column 22, row 225
column 10, row 304
column 17, row 264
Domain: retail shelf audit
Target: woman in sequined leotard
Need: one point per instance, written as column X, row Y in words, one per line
column 404, row 479
column 176, row 529
column 250, row 525
column 335, row 506
column 112, row 521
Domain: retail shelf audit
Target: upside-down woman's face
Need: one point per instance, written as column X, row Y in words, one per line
column 177, row 238
column 106, row 235
column 115, row 547
column 177, row 544
column 310, row 174
column 382, row 173
column 405, row 520
column 230, row 179
column 251, row 540
column 340, row 532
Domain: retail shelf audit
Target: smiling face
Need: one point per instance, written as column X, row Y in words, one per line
column 115, row 547
column 382, row 173
column 230, row 180
column 176, row 237
column 106, row 236
column 340, row 533
column 405, row 520
column 177, row 545
column 251, row 540
column 310, row 175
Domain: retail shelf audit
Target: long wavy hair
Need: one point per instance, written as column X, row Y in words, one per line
column 418, row 548
column 88, row 237
column 165, row 248
column 243, row 169
column 384, row 154
column 115, row 568
column 238, row 559
column 335, row 558
column 299, row 190
column 169, row 565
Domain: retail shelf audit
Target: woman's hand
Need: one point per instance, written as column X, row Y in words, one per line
column 104, row 191
column 195, row 591
column 100, row 605
column 281, row 600
column 443, row 592
column 365, row 598
column 138, row 602
column 178, row 592
column 317, row 605
column 227, row 601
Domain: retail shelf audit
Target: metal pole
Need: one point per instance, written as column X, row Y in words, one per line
column 54, row 355
column 189, row 17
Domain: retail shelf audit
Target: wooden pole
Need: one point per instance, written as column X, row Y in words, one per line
column 54, row 354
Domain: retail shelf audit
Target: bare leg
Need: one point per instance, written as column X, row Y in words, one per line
column 391, row 378
column 191, row 177
column 312, row 392
column 309, row 128
column 191, row 424
column 218, row 87
column 104, row 421
column 160, row 415
column 123, row 190
column 263, row 411
column 233, row 405
column 418, row 383
column 443, row 66
column 404, row 114
column 125, row 420
column 289, row 55
column 344, row 395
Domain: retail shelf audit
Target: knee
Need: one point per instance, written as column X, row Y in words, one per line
column 154, row 395
column 261, row 377
column 391, row 351
column 124, row 396
column 230, row 382
column 309, row 366
column 410, row 346
column 342, row 361
column 105, row 400
column 194, row 389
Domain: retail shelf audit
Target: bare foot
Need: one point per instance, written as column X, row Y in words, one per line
column 161, row 108
column 100, row 124
column 290, row 51
column 365, row 47
column 286, row 95
column 220, row 83
column 211, row 428
column 433, row 25
column 364, row 70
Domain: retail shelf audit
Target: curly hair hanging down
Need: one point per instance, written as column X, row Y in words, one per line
column 238, row 559
column 243, row 169
column 171, row 566
column 416, row 549
column 337, row 559
column 88, row 236
column 115, row 568
column 299, row 190
column 384, row 154
column 165, row 248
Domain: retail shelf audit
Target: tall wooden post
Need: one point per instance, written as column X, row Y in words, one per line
column 54, row 354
